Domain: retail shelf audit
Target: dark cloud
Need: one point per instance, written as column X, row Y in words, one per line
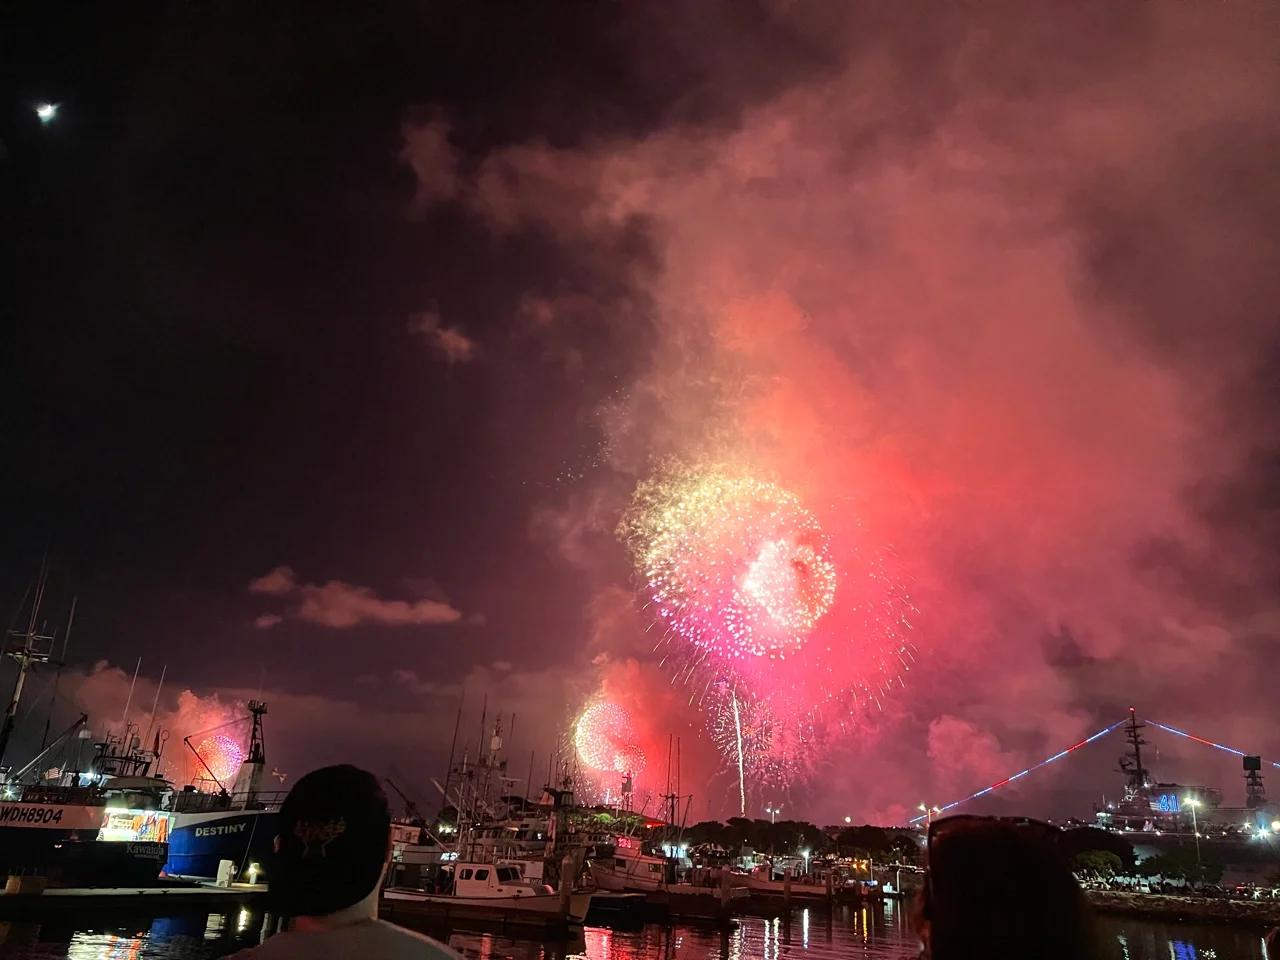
column 447, row 341
column 341, row 605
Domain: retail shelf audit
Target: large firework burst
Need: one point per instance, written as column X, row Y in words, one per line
column 782, row 630
column 734, row 565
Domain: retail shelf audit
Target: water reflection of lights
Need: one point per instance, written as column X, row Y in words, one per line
column 734, row 951
column 242, row 921
column 804, row 927
column 597, row 944
column 103, row 946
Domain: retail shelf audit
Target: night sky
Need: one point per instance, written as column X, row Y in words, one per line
column 336, row 339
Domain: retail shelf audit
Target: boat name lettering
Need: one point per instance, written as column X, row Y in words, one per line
column 219, row 831
column 145, row 849
column 30, row 814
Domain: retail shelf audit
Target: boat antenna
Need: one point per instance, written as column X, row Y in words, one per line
column 155, row 704
column 53, row 699
column 41, row 584
column 129, row 702
column 528, row 782
column 13, row 623
column 670, row 740
column 448, row 770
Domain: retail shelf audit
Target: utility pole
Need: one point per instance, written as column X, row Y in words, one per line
column 1195, row 825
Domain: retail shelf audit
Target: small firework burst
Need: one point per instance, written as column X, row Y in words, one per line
column 769, row 742
column 220, row 756
column 605, row 738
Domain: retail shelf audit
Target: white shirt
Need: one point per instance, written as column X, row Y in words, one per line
column 366, row 940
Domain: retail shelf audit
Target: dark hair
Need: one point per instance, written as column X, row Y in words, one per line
column 994, row 890
column 334, row 836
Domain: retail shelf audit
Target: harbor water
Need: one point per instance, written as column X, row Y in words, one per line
column 851, row 932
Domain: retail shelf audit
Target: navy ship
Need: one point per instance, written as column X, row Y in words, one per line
column 235, row 825
column 1155, row 815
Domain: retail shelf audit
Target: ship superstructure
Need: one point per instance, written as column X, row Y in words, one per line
column 1151, row 806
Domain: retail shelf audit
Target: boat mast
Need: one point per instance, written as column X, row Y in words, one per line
column 257, row 758
column 33, row 648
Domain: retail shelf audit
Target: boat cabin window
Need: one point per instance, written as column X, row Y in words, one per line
column 465, row 874
column 655, row 868
column 508, row 875
column 482, row 874
column 619, row 862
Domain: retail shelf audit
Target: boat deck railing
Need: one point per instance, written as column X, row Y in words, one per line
column 213, row 802
column 61, row 795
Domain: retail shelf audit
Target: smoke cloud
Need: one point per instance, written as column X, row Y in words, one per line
column 112, row 699
column 1000, row 281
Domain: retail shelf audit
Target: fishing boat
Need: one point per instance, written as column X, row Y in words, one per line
column 106, row 825
column 771, row 880
column 132, row 842
column 482, row 891
column 629, row 869
column 41, row 820
column 479, row 872
column 233, row 824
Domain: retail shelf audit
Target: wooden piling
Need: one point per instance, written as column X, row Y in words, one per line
column 566, row 885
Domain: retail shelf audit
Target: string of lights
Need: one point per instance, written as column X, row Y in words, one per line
column 1209, row 743
column 1018, row 776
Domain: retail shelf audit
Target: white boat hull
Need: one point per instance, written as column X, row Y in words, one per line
column 779, row 888
column 621, row 881
column 538, row 910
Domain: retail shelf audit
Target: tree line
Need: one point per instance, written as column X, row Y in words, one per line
column 1091, row 852
column 797, row 837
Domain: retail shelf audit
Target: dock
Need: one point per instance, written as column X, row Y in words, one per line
column 56, row 899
